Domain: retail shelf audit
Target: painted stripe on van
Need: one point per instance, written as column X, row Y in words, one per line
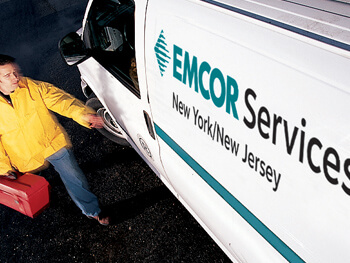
column 248, row 216
column 294, row 29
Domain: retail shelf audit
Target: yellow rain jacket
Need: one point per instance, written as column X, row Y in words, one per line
column 29, row 132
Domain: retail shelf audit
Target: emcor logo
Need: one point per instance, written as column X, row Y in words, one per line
column 207, row 81
column 162, row 53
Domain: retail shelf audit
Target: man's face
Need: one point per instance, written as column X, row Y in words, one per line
column 9, row 78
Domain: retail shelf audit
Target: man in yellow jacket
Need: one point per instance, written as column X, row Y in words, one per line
column 31, row 137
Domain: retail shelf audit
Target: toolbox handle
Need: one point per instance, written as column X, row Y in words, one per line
column 19, row 174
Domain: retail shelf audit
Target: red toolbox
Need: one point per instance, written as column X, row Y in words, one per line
column 28, row 194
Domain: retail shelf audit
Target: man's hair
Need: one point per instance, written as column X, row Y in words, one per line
column 5, row 59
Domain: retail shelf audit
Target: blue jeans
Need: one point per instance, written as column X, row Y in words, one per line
column 75, row 181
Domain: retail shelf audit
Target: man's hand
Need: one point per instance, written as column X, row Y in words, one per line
column 10, row 175
column 94, row 120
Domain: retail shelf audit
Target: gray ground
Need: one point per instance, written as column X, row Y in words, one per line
column 149, row 224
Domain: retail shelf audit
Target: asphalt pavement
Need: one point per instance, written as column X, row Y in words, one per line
column 149, row 224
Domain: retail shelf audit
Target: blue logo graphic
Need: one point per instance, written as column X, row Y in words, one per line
column 162, row 53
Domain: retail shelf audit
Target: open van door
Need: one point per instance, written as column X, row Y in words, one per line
column 110, row 71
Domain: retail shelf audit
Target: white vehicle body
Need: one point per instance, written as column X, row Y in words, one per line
column 249, row 104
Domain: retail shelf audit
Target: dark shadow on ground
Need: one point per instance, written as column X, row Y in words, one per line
column 132, row 207
column 119, row 155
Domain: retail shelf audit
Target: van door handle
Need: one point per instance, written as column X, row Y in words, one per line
column 149, row 125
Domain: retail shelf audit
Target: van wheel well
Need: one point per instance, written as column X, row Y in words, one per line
column 110, row 128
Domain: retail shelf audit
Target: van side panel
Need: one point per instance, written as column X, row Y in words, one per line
column 253, row 126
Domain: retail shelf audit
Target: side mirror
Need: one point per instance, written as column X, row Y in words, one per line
column 72, row 49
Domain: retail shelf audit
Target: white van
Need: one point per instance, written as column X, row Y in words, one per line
column 241, row 107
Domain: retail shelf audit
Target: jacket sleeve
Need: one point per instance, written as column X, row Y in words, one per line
column 64, row 103
column 5, row 164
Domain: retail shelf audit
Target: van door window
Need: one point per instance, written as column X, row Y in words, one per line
column 110, row 34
